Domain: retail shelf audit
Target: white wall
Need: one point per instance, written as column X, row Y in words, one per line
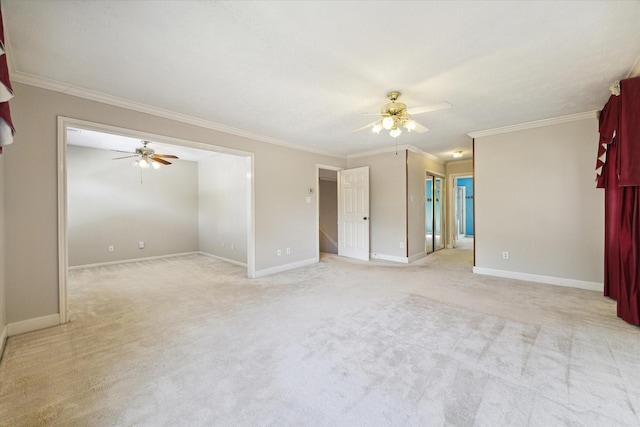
column 107, row 204
column 535, row 197
column 282, row 177
column 223, row 190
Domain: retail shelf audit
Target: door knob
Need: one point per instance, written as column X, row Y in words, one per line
column 365, row 218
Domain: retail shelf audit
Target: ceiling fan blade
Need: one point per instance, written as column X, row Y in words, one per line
column 120, row 151
column 159, row 160
column 421, row 129
column 168, row 156
column 364, row 127
column 428, row 108
column 125, row 157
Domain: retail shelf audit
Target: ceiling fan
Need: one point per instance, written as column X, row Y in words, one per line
column 146, row 157
column 395, row 114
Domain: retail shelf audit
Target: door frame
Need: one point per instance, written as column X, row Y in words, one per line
column 318, row 167
column 460, row 208
column 451, row 205
column 63, row 248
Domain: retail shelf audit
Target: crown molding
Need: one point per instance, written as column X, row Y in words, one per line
column 68, row 89
column 423, row 153
column 635, row 70
column 394, row 149
column 536, row 124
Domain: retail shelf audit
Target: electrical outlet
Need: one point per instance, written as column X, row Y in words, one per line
column 233, row 246
column 279, row 252
column 110, row 248
column 288, row 251
column 140, row 245
column 401, row 245
column 505, row 255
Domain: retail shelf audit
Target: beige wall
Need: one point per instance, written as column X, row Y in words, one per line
column 223, row 194
column 109, row 202
column 535, row 197
column 460, row 167
column 417, row 168
column 282, row 176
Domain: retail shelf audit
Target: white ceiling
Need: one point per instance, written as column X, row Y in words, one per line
column 301, row 72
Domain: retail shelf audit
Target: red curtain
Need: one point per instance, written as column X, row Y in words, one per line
column 619, row 157
column 7, row 130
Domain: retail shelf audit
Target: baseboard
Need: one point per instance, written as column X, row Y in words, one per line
column 392, row 258
column 125, row 261
column 34, row 324
column 3, row 339
column 417, row 256
column 547, row 280
column 285, row 267
column 230, row 261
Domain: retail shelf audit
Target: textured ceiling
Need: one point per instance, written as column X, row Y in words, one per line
column 301, row 72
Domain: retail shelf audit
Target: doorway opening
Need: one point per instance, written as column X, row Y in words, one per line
column 463, row 212
column 69, row 228
column 327, row 210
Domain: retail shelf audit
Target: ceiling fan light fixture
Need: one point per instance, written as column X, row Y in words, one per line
column 143, row 163
column 410, row 125
column 377, row 128
column 395, row 132
column 155, row 165
column 388, row 122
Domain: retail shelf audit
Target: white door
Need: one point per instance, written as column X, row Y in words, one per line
column 353, row 213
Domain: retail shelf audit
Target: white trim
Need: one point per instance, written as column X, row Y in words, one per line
column 53, row 85
column 417, row 256
column 286, row 267
column 548, row 280
column 127, row 261
column 230, row 261
column 392, row 149
column 635, row 70
column 251, row 219
column 34, row 324
column 105, row 128
column 392, row 258
column 3, row 339
column 63, row 254
column 425, row 154
column 535, row 124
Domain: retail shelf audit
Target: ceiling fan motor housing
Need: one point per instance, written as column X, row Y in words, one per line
column 144, row 151
column 393, row 108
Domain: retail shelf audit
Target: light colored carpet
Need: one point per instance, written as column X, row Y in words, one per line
column 190, row 341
